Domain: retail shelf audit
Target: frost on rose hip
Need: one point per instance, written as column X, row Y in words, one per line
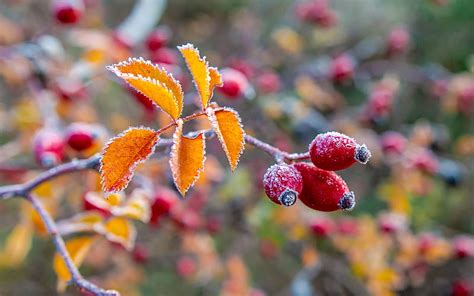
column 334, row 151
column 282, row 184
column 324, row 190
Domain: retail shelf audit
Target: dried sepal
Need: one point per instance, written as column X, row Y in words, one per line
column 199, row 70
column 228, row 127
column 187, row 158
column 122, row 154
column 77, row 249
column 153, row 82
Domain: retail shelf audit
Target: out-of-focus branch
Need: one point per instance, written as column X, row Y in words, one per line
column 140, row 22
column 52, row 229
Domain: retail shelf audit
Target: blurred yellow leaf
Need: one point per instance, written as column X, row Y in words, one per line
column 120, row 230
column 77, row 249
column 17, row 246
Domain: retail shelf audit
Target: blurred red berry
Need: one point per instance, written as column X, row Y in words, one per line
column 70, row 90
column 334, row 151
column 347, row 226
column 393, row 143
column 234, row 83
column 243, row 66
column 268, row 82
column 80, row 136
column 462, row 288
column 48, row 147
column 466, row 99
column 158, row 38
column 186, row 219
column 391, row 223
column 426, row 241
column 162, row 203
column 282, row 183
column 165, row 55
column 341, row 68
column 317, row 12
column 68, row 11
column 322, row 226
column 141, row 254
column 463, row 246
column 186, row 266
column 324, row 190
column 425, row 161
column 398, row 41
column 213, row 224
column 380, row 103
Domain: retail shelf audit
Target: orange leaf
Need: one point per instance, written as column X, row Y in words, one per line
column 154, row 82
column 122, row 154
column 200, row 71
column 77, row 249
column 187, row 158
column 216, row 80
column 120, row 230
column 229, row 130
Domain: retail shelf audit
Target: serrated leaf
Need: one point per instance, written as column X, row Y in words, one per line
column 17, row 245
column 226, row 123
column 199, row 70
column 187, row 158
column 120, row 230
column 153, row 82
column 122, row 154
column 215, row 80
column 77, row 249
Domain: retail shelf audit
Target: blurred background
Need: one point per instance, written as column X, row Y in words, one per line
column 396, row 75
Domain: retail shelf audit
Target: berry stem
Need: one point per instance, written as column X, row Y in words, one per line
column 278, row 154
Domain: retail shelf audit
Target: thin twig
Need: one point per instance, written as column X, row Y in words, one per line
column 278, row 154
column 22, row 190
column 52, row 229
column 93, row 163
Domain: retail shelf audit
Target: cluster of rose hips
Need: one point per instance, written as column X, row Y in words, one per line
column 51, row 146
column 316, row 184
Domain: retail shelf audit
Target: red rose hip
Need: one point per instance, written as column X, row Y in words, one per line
column 282, row 184
column 80, row 136
column 68, row 11
column 334, row 151
column 324, row 190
